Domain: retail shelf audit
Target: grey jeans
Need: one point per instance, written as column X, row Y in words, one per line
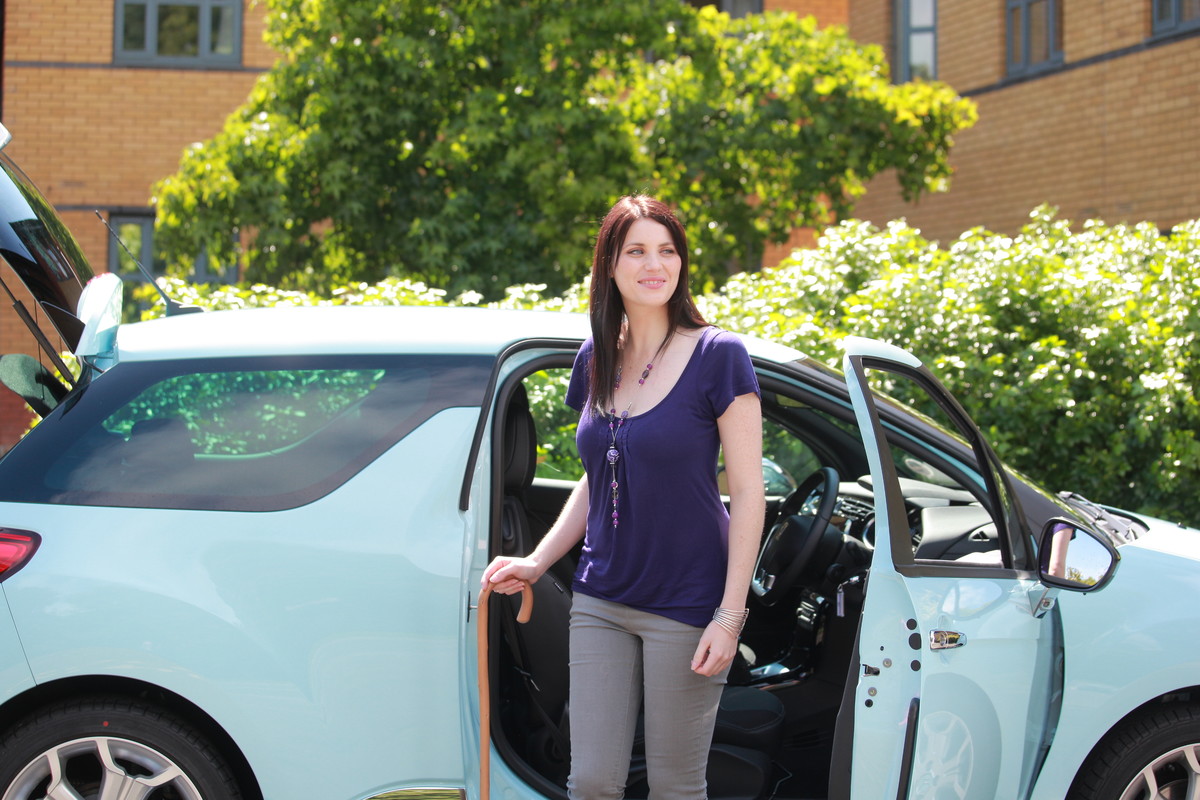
column 618, row 656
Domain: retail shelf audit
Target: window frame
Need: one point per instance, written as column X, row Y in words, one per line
column 1173, row 23
column 1054, row 35
column 202, row 271
column 904, row 33
column 145, row 222
column 204, row 59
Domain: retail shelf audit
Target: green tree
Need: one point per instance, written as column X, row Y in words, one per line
column 475, row 143
column 776, row 125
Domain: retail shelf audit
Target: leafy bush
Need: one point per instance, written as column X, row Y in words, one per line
column 1076, row 352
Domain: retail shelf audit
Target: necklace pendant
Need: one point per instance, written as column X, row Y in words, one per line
column 613, row 455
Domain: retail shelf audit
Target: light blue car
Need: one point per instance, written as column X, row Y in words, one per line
column 239, row 557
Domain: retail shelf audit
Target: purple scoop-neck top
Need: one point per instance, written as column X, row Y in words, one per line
column 669, row 552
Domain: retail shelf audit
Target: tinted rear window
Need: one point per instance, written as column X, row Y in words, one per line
column 232, row 434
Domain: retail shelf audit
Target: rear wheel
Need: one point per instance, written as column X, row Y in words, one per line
column 1154, row 756
column 107, row 748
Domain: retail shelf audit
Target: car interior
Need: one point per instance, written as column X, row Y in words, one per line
column 779, row 714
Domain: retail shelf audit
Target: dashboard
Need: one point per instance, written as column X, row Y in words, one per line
column 945, row 523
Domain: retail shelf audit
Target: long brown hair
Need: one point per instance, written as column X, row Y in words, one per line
column 607, row 309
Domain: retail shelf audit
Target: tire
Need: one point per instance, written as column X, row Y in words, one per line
column 111, row 747
column 1153, row 756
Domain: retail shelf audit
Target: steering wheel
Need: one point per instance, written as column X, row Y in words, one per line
column 799, row 545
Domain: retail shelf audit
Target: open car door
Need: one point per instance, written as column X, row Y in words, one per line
column 957, row 672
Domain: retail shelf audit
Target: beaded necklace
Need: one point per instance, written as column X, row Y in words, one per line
column 615, row 423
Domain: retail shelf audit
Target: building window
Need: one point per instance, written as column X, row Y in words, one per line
column 916, row 40
column 1176, row 15
column 136, row 232
column 179, row 33
column 1034, row 35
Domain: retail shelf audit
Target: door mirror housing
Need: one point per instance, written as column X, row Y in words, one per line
column 1075, row 558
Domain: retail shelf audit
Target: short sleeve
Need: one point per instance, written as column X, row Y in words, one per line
column 728, row 372
column 577, row 389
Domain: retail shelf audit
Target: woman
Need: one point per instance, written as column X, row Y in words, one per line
column 660, row 591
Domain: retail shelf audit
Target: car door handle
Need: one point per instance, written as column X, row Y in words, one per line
column 946, row 640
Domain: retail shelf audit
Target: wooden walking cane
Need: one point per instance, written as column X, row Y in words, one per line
column 485, row 690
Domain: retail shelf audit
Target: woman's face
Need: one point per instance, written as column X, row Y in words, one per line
column 647, row 268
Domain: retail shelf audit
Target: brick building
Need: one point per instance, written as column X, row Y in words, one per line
column 1086, row 104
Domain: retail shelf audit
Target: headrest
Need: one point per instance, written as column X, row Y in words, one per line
column 520, row 443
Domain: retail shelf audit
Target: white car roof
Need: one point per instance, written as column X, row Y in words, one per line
column 322, row 330
column 325, row 330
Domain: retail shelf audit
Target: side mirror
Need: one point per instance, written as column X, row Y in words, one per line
column 1075, row 558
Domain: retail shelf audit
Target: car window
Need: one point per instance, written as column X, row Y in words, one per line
column 946, row 501
column 243, row 413
column 952, row 512
column 787, row 459
column 237, row 434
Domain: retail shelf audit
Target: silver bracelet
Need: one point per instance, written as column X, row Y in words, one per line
column 732, row 621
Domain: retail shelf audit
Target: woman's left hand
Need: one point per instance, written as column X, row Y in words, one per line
column 715, row 652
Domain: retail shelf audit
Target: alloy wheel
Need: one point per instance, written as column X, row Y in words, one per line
column 1175, row 775
column 99, row 767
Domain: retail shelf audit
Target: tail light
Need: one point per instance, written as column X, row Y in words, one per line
column 16, row 548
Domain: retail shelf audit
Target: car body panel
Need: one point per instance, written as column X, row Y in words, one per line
column 1120, row 654
column 295, row 619
column 15, row 676
column 325, row 330
column 1168, row 538
column 967, row 721
column 983, row 705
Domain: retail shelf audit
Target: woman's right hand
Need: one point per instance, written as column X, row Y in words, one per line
column 507, row 574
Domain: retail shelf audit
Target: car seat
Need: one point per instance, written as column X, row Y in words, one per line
column 749, row 723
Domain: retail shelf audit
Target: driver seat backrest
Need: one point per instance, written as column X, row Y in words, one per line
column 520, row 463
column 749, row 726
